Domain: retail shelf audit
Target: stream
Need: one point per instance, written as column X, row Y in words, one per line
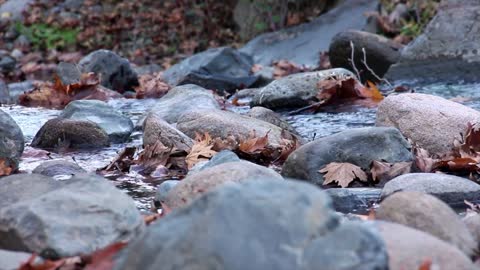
column 310, row 126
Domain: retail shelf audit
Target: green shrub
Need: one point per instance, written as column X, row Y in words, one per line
column 44, row 36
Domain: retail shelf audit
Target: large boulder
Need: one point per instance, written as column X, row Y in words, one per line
column 357, row 146
column 65, row 133
column 117, row 126
column 427, row 213
column 156, row 129
column 73, row 217
column 296, row 90
column 431, row 122
column 448, row 49
column 472, row 221
column 380, row 53
column 221, row 69
column 451, row 189
column 409, row 248
column 264, row 224
column 303, row 44
column 183, row 99
column 11, row 141
column 193, row 186
column 115, row 72
column 224, row 123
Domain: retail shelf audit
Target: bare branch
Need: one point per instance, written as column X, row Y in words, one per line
column 352, row 60
column 364, row 61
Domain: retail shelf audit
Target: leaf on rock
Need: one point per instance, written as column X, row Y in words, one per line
column 253, row 144
column 472, row 138
column 342, row 173
column 151, row 86
column 423, row 160
column 284, row 68
column 201, row 150
column 383, row 171
column 103, row 259
column 458, row 165
column 5, row 169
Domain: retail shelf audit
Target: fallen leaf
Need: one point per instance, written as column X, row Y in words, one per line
column 458, row 165
column 426, row 265
column 253, row 144
column 375, row 94
column 151, row 86
column 5, row 169
column 342, row 173
column 423, row 160
column 201, row 150
column 384, row 171
column 45, row 265
column 103, row 259
column 151, row 218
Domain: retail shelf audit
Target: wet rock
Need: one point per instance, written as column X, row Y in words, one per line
column 117, row 126
column 147, row 69
column 451, row 189
column 250, row 226
column 224, row 123
column 11, row 260
column 68, row 73
column 67, row 133
column 472, row 221
column 409, row 248
column 222, row 69
column 431, row 122
column 380, row 53
column 448, row 49
column 303, row 44
column 193, row 186
column 357, row 146
column 156, row 129
column 271, row 117
column 183, row 99
column 115, row 72
column 11, row 141
column 219, row 158
column 17, row 89
column 427, row 213
column 162, row 191
column 351, row 200
column 296, row 90
column 58, row 168
column 4, row 93
column 81, row 215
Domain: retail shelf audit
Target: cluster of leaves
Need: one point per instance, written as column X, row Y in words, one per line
column 405, row 29
column 57, row 95
column 343, row 89
column 160, row 161
column 345, row 173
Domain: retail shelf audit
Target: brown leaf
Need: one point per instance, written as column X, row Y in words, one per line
column 4, row 168
column 379, row 170
column 342, row 173
column 458, row 165
column 46, row 265
column 284, row 68
column 383, row 171
column 151, row 86
column 472, row 138
column 253, row 144
column 426, row 265
column 201, row 150
column 103, row 259
column 423, row 160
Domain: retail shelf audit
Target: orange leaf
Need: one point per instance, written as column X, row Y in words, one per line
column 4, row 168
column 103, row 259
column 254, row 144
column 342, row 173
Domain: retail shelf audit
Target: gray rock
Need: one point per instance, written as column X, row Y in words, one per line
column 351, row 200
column 156, row 129
column 4, row 93
column 58, row 168
column 11, row 141
column 271, row 117
column 303, row 44
column 147, row 69
column 448, row 49
column 357, row 146
column 66, row 133
column 11, row 260
column 222, row 69
column 14, row 8
column 17, row 89
column 7, row 64
column 427, row 213
column 451, row 189
column 163, row 189
column 264, row 224
column 219, row 158
column 117, row 126
column 224, row 123
column 472, row 221
column 84, row 214
column 193, row 186
column 409, row 248
column 431, row 122
column 115, row 72
column 182, row 99
column 296, row 90
column 23, row 187
column 68, row 73
column 380, row 53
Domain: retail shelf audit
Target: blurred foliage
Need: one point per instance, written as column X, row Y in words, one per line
column 43, row 36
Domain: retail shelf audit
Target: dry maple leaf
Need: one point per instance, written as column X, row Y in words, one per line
column 254, row 144
column 201, row 150
column 423, row 160
column 4, row 168
column 342, row 173
column 384, row 171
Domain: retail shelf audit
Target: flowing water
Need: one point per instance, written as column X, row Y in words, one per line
column 141, row 189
